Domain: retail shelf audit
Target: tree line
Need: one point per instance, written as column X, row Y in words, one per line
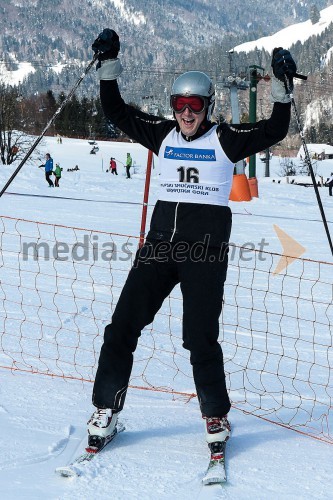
column 21, row 117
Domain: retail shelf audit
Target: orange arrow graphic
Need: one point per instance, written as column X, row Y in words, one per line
column 292, row 250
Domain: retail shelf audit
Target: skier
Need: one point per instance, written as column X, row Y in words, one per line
column 48, row 166
column 57, row 174
column 128, row 165
column 113, row 166
column 201, row 155
column 329, row 183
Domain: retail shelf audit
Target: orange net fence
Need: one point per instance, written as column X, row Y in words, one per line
column 59, row 286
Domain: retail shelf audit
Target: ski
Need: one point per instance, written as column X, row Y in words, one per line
column 216, row 472
column 76, row 467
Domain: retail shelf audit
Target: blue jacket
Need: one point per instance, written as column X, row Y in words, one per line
column 49, row 165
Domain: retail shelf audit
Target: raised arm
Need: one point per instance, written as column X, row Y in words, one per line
column 240, row 141
column 148, row 130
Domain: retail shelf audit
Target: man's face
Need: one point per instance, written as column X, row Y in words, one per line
column 189, row 122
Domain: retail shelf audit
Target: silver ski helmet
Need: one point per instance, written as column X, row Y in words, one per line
column 195, row 83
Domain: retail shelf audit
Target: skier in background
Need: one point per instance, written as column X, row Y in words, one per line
column 113, row 166
column 200, row 154
column 128, row 165
column 329, row 183
column 57, row 174
column 48, row 166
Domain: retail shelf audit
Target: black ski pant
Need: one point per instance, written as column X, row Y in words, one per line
column 47, row 177
column 149, row 282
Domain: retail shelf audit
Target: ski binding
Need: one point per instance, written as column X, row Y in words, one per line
column 216, row 472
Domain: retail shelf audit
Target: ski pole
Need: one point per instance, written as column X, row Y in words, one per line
column 48, row 125
column 120, row 162
column 307, row 158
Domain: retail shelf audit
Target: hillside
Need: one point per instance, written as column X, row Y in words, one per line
column 52, row 37
column 161, row 39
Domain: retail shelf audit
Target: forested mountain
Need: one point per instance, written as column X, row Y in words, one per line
column 62, row 30
column 44, row 44
column 154, row 33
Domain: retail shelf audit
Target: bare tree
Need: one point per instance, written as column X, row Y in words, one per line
column 8, row 116
column 13, row 141
column 287, row 167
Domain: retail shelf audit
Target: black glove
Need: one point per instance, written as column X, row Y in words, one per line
column 107, row 44
column 283, row 65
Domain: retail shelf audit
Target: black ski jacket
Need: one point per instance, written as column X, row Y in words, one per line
column 191, row 222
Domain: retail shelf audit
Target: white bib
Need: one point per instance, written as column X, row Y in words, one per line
column 194, row 172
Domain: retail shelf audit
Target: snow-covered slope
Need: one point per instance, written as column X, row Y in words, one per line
column 290, row 35
column 162, row 454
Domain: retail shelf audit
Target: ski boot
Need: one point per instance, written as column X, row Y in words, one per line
column 102, row 427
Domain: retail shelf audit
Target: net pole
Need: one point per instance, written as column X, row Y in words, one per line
column 145, row 199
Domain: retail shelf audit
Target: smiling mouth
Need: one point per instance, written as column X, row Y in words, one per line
column 187, row 121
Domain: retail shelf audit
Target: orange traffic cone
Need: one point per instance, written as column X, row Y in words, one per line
column 253, row 183
column 240, row 190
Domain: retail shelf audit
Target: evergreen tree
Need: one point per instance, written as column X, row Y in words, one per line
column 61, row 123
column 311, row 135
column 50, row 103
column 314, row 14
column 111, row 130
column 84, row 118
column 74, row 124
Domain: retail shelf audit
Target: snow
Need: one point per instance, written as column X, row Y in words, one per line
column 18, row 75
column 135, row 18
column 299, row 32
column 57, row 68
column 327, row 57
column 316, row 149
column 162, row 454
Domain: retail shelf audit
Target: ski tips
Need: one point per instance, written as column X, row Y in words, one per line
column 213, row 480
column 66, row 471
column 77, row 466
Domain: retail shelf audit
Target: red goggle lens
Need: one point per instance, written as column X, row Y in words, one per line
column 195, row 103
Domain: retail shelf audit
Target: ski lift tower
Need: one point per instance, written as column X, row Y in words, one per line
column 234, row 84
column 254, row 78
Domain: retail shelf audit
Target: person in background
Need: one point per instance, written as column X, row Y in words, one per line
column 113, row 166
column 128, row 165
column 57, row 174
column 329, row 183
column 48, row 166
column 74, row 169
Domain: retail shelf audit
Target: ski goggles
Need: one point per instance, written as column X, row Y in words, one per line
column 194, row 103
